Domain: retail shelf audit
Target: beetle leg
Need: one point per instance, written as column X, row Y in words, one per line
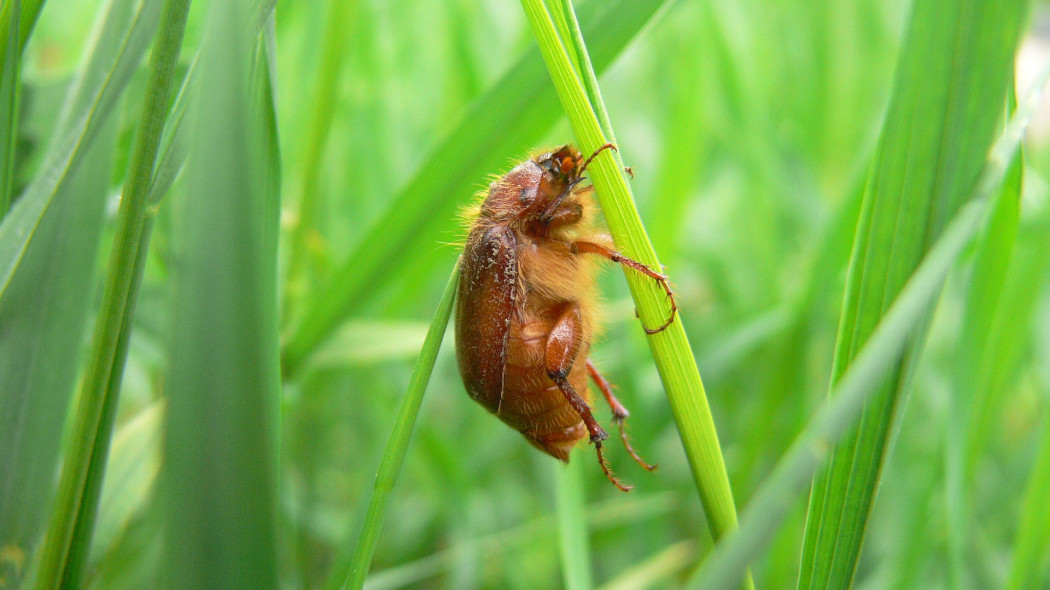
column 593, row 248
column 563, row 346
column 620, row 413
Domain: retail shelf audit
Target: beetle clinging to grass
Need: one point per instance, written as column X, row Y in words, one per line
column 525, row 305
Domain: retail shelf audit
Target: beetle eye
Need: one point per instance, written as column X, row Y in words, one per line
column 567, row 164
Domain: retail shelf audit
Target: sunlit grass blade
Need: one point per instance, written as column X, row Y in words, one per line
column 123, row 37
column 658, row 569
column 72, row 522
column 572, row 528
column 502, row 123
column 621, row 510
column 951, row 84
column 670, row 347
column 219, row 480
column 394, row 454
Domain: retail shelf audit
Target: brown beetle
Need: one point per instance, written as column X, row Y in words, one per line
column 525, row 305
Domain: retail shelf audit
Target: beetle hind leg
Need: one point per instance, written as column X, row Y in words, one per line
column 563, row 346
column 620, row 413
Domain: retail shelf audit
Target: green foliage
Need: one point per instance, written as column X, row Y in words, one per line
column 801, row 169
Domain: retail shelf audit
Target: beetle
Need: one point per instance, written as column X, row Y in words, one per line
column 525, row 305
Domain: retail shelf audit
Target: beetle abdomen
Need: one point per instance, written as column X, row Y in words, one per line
column 532, row 403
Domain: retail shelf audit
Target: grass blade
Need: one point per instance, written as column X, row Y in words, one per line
column 10, row 84
column 124, row 35
column 507, row 119
column 44, row 315
column 72, row 523
column 1028, row 569
column 859, row 383
column 670, row 347
column 397, row 445
column 219, row 478
column 572, row 528
column 952, row 77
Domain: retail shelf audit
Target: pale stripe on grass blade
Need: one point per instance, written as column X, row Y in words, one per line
column 504, row 122
column 219, row 479
column 394, row 454
column 670, row 348
column 72, row 522
column 972, row 373
column 951, row 85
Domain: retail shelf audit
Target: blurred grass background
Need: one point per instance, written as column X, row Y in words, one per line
column 750, row 126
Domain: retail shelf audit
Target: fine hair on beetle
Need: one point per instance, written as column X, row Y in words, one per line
column 526, row 305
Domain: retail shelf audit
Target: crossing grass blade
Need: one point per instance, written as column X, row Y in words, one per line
column 124, row 35
column 951, row 85
column 888, row 342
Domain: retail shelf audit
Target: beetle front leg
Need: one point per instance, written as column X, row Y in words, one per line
column 594, row 248
column 563, row 346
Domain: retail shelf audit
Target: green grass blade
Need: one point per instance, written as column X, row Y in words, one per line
column 219, row 478
column 951, row 82
column 1029, row 566
column 10, row 84
column 987, row 282
column 23, row 17
column 670, row 347
column 572, row 528
column 44, row 315
column 506, row 120
column 888, row 342
column 301, row 258
column 72, row 523
column 123, row 37
column 397, row 445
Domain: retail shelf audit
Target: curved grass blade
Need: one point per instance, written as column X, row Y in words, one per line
column 397, row 445
column 670, row 348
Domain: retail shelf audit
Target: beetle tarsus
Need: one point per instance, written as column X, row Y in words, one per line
column 608, row 472
column 620, row 413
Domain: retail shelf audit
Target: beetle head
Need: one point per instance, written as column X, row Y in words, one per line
column 534, row 187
